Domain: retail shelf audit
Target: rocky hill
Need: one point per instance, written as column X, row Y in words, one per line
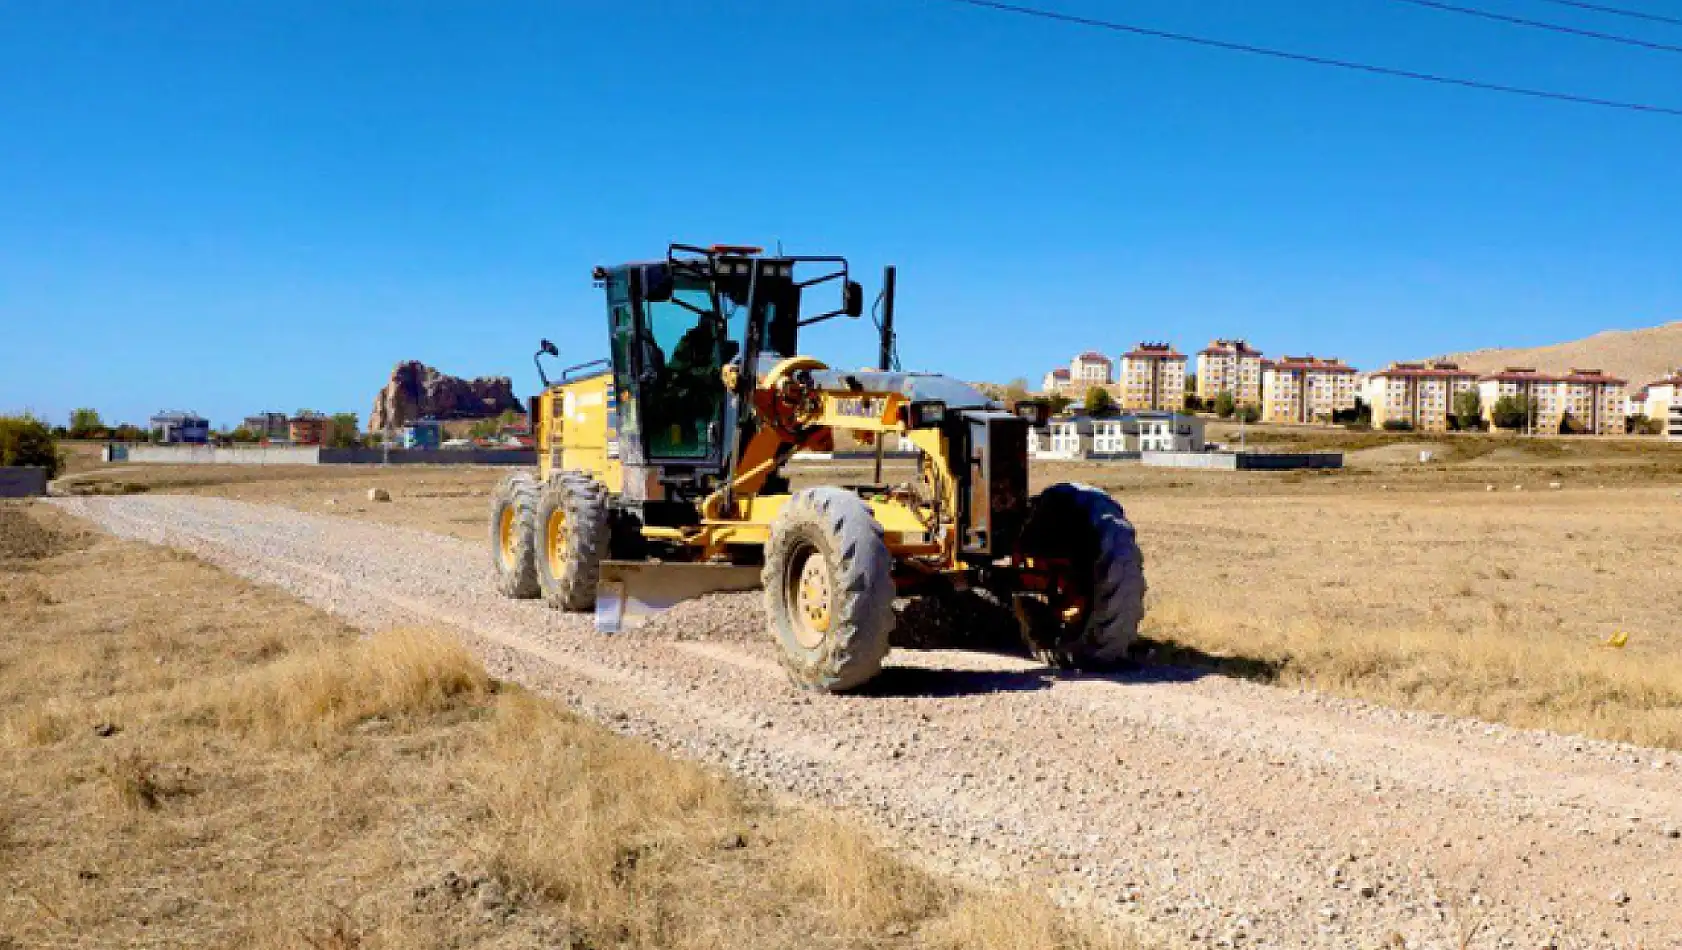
column 417, row 391
column 1639, row 356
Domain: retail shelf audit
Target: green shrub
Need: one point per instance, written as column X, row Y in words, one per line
column 26, row 440
column 1397, row 425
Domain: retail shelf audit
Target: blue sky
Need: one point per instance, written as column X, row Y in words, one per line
column 264, row 205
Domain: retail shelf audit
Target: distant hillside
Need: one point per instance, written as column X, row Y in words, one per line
column 1639, row 356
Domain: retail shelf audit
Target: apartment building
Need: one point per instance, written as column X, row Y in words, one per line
column 1055, row 382
column 1661, row 394
column 1091, row 369
column 1583, row 400
column 1230, row 366
column 1419, row 394
column 1153, row 376
column 1306, row 389
column 271, row 426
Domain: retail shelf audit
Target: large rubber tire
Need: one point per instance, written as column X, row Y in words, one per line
column 826, row 539
column 571, row 538
column 514, row 535
column 1087, row 526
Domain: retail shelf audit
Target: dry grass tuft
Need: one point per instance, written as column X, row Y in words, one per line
column 1531, row 679
column 306, row 695
column 1018, row 922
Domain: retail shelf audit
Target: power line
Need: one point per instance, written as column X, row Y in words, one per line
column 1540, row 25
column 1233, row 47
column 1618, row 11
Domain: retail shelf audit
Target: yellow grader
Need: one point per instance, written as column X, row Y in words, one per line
column 661, row 477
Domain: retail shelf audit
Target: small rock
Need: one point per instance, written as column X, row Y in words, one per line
column 1518, row 488
column 378, row 494
column 1673, row 833
column 1367, row 890
column 331, row 502
column 491, row 896
column 1489, row 488
column 1620, row 898
column 1556, row 486
column 105, row 730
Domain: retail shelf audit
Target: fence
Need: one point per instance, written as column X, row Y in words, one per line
column 1244, row 461
column 311, row 455
column 22, row 482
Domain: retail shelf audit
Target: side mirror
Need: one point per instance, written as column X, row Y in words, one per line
column 547, row 348
column 852, row 299
column 656, row 283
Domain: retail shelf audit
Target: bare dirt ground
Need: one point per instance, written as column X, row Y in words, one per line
column 188, row 759
column 1199, row 807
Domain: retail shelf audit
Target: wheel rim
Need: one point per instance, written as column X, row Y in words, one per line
column 809, row 591
column 505, row 536
column 555, row 542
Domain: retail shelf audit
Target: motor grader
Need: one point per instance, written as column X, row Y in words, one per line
column 661, row 476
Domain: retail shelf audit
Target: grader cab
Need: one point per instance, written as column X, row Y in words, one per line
column 662, row 476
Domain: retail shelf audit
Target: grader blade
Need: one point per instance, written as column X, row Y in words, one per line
column 629, row 592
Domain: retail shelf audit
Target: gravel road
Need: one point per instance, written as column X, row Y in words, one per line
column 1201, row 810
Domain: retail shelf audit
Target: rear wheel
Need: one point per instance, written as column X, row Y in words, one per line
column 513, row 531
column 572, row 538
column 1079, row 537
column 829, row 590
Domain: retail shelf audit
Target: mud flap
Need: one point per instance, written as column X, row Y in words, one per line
column 629, row 592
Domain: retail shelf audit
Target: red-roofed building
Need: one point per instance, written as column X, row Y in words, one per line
column 1153, row 376
column 1091, row 369
column 1420, row 394
column 1056, row 382
column 1230, row 366
column 1584, row 400
column 1306, row 389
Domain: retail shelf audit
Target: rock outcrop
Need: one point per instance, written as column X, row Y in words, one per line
column 417, row 391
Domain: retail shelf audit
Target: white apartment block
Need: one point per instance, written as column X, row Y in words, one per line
column 1091, row 369
column 1230, row 366
column 1306, row 389
column 1594, row 402
column 1153, row 376
column 1660, row 395
column 1420, row 394
column 1055, row 382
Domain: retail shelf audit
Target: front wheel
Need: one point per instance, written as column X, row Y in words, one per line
column 829, row 590
column 1078, row 538
column 572, row 538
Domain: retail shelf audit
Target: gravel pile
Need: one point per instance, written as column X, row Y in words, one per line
column 1200, row 809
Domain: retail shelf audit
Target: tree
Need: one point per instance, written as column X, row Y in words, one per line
column 26, row 440
column 1639, row 424
column 343, row 432
column 1398, row 425
column 1192, row 403
column 1249, row 413
column 1510, row 412
column 1015, row 391
column 1099, row 402
column 1468, row 410
column 1571, row 425
column 242, row 434
column 1059, row 404
column 1224, row 404
column 85, row 424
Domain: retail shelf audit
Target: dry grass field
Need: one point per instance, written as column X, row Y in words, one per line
column 191, row 760
column 1406, row 583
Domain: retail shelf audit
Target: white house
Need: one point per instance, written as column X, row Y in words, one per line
column 1061, row 439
